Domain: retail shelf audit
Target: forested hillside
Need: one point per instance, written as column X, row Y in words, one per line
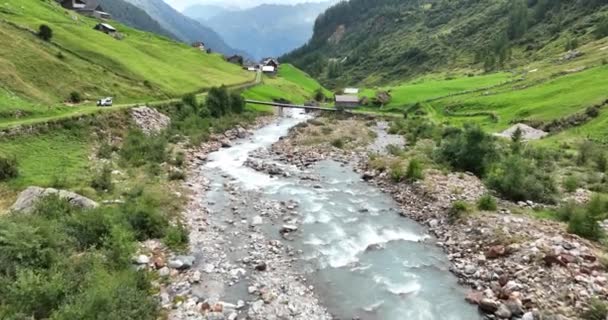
column 134, row 17
column 382, row 40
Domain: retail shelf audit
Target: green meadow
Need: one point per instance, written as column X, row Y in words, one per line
column 290, row 83
column 138, row 67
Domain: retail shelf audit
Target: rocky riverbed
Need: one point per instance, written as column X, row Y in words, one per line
column 516, row 266
column 243, row 263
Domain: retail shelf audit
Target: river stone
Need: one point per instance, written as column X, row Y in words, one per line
column 26, row 202
column 256, row 221
column 515, row 306
column 142, row 259
column 226, row 143
column 528, row 316
column 503, row 312
column 488, row 305
column 181, row 262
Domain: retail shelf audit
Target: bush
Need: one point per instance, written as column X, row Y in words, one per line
column 338, row 143
column 139, row 149
column 218, row 102
column 397, row 172
column 145, row 221
column 103, row 181
column 414, row 170
column 585, row 222
column 470, row 150
column 601, row 161
column 105, row 151
column 177, row 175
column 487, row 203
column 237, row 103
column 601, row 30
column 519, row 179
column 75, row 97
column 45, row 32
column 190, row 100
column 598, row 310
column 9, row 168
column 457, row 211
column 176, row 237
column 571, row 183
column 319, row 95
column 180, row 159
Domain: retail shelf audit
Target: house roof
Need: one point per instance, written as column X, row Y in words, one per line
column 347, row 98
column 107, row 26
column 351, row 90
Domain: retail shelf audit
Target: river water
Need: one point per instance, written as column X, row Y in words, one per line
column 364, row 260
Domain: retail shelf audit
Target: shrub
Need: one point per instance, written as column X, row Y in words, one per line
column 119, row 246
column 60, row 55
column 338, row 143
column 75, row 97
column 571, row 183
column 105, row 151
column 487, row 203
column 103, row 181
column 180, row 159
column 176, row 237
column 586, row 150
column 471, row 150
column 598, row 310
column 190, row 100
column 145, row 221
column 237, row 103
column 567, row 210
column 457, row 211
column 139, row 149
column 585, row 222
column 218, row 101
column 414, row 170
column 9, row 168
column 397, row 172
column 319, row 95
column 519, row 179
column 601, row 161
column 177, row 175
column 45, row 32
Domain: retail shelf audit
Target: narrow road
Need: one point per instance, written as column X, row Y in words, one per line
column 89, row 110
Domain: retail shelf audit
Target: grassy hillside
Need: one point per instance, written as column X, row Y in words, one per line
column 290, row 83
column 140, row 66
column 375, row 42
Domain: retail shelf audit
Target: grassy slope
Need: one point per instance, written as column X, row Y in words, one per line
column 431, row 88
column 96, row 64
column 290, row 83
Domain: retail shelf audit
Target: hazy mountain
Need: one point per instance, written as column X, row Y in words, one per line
column 135, row 17
column 183, row 27
column 202, row 12
column 266, row 30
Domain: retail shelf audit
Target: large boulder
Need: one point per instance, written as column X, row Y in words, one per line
column 28, row 198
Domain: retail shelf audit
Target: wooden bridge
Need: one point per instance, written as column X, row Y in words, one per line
column 282, row 106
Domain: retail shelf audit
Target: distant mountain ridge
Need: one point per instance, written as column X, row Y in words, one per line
column 265, row 30
column 134, row 17
column 182, row 27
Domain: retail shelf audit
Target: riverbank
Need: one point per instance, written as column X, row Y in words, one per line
column 507, row 260
column 234, row 269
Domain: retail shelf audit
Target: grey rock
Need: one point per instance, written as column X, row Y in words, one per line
column 28, row 198
column 503, row 312
column 488, row 305
column 226, row 143
column 528, row 316
column 142, row 259
column 181, row 262
column 515, row 307
column 164, row 272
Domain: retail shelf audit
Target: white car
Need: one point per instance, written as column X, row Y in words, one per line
column 105, row 102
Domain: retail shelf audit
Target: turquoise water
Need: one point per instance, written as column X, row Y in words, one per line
column 364, row 260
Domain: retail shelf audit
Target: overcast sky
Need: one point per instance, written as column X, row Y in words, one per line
column 181, row 4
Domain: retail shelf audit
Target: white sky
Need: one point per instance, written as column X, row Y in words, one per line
column 181, row 4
